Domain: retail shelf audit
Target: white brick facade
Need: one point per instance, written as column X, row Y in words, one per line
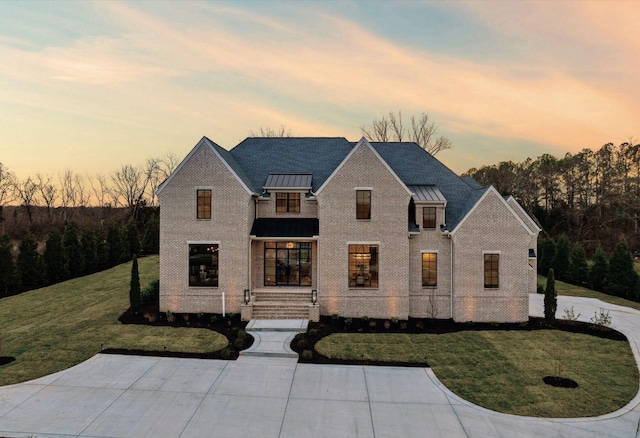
column 491, row 225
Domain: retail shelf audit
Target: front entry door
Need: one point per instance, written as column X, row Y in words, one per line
column 287, row 264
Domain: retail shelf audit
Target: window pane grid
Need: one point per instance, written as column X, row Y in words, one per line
column 363, row 204
column 287, row 202
column 363, row 265
column 491, row 270
column 203, row 265
column 204, row 204
column 429, row 269
column 428, row 217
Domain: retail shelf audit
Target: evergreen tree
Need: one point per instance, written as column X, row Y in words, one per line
column 114, row 241
column 134, row 291
column 622, row 280
column 546, row 253
column 74, row 250
column 550, row 298
column 102, row 249
column 151, row 239
column 579, row 267
column 598, row 270
column 560, row 262
column 55, row 258
column 9, row 277
column 30, row 265
column 89, row 250
column 133, row 238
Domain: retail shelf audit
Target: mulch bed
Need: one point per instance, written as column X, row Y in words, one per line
column 329, row 325
column 6, row 359
column 560, row 382
column 230, row 326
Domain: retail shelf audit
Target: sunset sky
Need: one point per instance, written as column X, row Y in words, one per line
column 89, row 86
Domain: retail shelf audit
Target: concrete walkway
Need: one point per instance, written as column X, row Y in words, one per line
column 267, row 395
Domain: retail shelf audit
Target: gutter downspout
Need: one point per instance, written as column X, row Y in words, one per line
column 448, row 234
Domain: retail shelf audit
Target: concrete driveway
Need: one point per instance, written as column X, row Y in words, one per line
column 130, row 396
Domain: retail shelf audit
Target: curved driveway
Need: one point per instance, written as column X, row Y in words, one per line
column 122, row 396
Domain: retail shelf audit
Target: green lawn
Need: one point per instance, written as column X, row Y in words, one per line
column 503, row 370
column 563, row 288
column 51, row 329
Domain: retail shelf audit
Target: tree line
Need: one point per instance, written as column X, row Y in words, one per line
column 592, row 196
column 71, row 252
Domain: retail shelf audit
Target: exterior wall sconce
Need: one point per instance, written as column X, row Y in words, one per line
column 247, row 296
column 314, row 296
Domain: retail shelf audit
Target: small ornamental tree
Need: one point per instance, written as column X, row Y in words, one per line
column 579, row 268
column 622, row 280
column 560, row 262
column 598, row 270
column 134, row 291
column 550, row 298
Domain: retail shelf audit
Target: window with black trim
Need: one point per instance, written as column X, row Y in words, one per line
column 287, row 202
column 428, row 217
column 203, row 265
column 204, row 204
column 429, row 269
column 363, row 265
column 363, row 204
column 491, row 271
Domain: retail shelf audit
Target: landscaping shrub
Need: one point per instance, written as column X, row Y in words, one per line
column 151, row 293
column 599, row 269
column 307, row 355
column 134, row 291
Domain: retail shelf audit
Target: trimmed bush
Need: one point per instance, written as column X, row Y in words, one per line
column 134, row 291
column 550, row 298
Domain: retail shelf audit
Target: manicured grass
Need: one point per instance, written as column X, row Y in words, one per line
column 503, row 370
column 51, row 329
column 563, row 288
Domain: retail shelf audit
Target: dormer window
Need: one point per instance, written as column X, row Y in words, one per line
column 428, row 217
column 287, row 202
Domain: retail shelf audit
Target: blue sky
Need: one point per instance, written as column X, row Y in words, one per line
column 88, row 86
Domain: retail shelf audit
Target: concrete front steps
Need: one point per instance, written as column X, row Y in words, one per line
column 280, row 304
column 272, row 338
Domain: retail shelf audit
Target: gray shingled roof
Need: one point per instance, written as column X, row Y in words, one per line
column 316, row 156
column 256, row 158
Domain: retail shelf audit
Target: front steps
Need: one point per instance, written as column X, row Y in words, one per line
column 281, row 304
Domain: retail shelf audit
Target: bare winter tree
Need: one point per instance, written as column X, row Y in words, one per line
column 129, row 184
column 26, row 191
column 83, row 194
column 7, row 185
column 270, row 132
column 48, row 192
column 422, row 131
column 100, row 189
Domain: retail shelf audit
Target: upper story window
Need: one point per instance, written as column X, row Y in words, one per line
column 491, row 272
column 428, row 217
column 363, row 204
column 204, row 204
column 287, row 202
column 429, row 269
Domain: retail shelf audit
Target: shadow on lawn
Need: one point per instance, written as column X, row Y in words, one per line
column 304, row 343
column 229, row 326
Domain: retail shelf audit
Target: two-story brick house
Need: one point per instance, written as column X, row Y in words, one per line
column 302, row 227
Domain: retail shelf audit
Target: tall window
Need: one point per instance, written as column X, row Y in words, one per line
column 363, row 265
column 429, row 269
column 363, row 204
column 287, row 202
column 204, row 204
column 287, row 263
column 428, row 217
column 203, row 265
column 491, row 274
